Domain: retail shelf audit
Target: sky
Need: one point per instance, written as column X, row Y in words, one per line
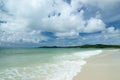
column 30, row 23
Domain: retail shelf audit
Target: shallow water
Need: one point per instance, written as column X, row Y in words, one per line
column 43, row 63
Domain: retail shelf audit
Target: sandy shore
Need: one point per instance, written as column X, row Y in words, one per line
column 105, row 66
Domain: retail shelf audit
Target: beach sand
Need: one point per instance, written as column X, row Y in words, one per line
column 105, row 66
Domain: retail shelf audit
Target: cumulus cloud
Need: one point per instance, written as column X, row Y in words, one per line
column 94, row 25
column 16, row 37
column 103, row 4
column 26, row 19
column 109, row 36
column 111, row 30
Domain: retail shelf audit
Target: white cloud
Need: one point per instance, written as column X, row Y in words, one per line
column 94, row 25
column 111, row 30
column 23, row 37
column 103, row 4
column 27, row 18
column 71, row 34
column 108, row 36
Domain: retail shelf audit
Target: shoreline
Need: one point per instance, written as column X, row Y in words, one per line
column 104, row 66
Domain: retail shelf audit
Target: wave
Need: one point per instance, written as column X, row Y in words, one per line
column 64, row 67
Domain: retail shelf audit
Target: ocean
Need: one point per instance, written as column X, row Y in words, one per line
column 43, row 63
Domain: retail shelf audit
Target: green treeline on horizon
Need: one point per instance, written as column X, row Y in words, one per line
column 84, row 46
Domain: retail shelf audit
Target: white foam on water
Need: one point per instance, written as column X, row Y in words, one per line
column 64, row 68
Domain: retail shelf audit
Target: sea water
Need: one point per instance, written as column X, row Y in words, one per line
column 43, row 63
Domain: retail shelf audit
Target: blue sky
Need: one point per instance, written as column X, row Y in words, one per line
column 29, row 23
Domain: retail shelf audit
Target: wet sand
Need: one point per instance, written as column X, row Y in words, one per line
column 105, row 66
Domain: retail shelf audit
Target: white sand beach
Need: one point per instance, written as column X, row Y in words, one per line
column 105, row 66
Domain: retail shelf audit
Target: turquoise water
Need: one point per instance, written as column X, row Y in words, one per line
column 42, row 63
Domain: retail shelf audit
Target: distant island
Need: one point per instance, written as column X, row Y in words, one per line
column 84, row 46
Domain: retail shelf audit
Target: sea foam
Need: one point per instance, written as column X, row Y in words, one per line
column 64, row 67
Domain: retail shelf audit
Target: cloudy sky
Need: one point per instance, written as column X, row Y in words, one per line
column 31, row 23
